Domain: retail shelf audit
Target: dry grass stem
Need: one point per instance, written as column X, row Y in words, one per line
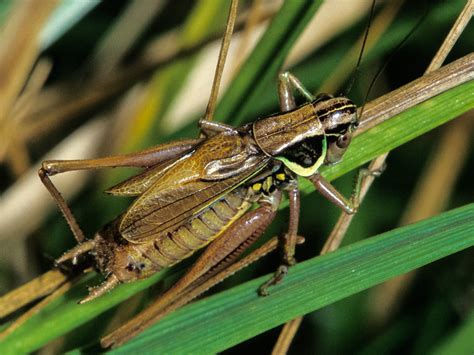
column 41, row 286
column 286, row 336
column 453, row 35
column 122, row 35
column 38, row 307
column 19, row 49
column 28, row 194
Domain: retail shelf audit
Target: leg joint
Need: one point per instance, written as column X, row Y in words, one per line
column 284, row 75
column 351, row 209
column 48, row 168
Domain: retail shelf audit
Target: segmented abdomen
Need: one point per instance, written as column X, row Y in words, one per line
column 172, row 247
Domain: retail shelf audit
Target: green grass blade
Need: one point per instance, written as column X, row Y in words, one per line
column 314, row 70
column 65, row 314
column 228, row 318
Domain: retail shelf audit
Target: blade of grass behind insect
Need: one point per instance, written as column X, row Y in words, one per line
column 167, row 81
column 144, row 130
column 223, row 320
column 266, row 60
column 65, row 314
column 312, row 72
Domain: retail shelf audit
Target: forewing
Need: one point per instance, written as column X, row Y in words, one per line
column 188, row 187
column 172, row 154
column 138, row 184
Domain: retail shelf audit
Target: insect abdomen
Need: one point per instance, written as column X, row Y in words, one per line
column 172, row 247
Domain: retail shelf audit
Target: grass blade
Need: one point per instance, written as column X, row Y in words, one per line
column 221, row 321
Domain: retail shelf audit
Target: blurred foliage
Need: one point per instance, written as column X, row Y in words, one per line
column 435, row 311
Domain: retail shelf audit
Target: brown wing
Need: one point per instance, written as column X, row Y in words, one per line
column 138, row 184
column 190, row 185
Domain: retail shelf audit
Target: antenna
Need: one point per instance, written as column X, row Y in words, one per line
column 392, row 54
column 359, row 60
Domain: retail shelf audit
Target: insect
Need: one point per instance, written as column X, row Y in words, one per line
column 200, row 191
column 216, row 182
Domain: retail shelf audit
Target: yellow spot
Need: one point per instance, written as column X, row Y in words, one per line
column 256, row 187
column 280, row 176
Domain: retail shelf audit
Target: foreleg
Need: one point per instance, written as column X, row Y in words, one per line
column 350, row 205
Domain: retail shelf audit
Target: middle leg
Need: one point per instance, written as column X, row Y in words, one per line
column 288, row 242
column 349, row 206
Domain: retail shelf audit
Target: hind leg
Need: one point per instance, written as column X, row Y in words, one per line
column 146, row 158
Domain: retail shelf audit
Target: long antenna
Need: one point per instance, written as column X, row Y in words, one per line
column 392, row 54
column 211, row 105
column 359, row 60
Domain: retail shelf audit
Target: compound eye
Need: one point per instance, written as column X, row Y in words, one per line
column 343, row 141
